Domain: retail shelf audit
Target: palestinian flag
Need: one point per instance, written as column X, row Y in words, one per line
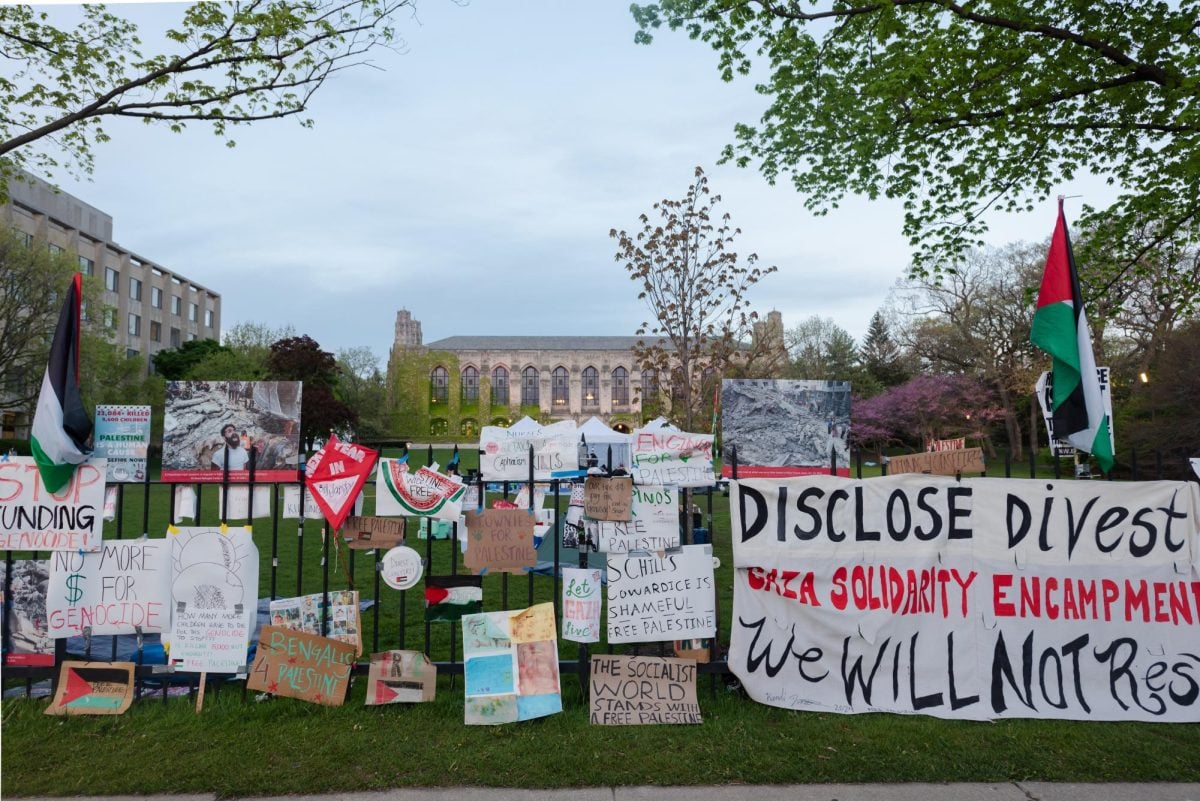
column 61, row 426
column 1060, row 328
column 448, row 598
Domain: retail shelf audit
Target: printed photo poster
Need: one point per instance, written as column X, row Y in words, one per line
column 27, row 637
column 123, row 588
column 785, row 428
column 306, row 612
column 294, row 664
column 214, row 598
column 511, row 666
column 573, row 526
column 976, row 599
column 661, row 597
column 504, row 452
column 93, row 688
column 122, row 436
column 401, row 677
column 581, row 604
column 335, row 476
column 642, row 691
column 653, row 524
column 32, row 519
column 450, row 598
column 209, row 425
column 424, row 493
column 676, row 458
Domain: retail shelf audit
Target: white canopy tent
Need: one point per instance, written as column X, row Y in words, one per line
column 600, row 438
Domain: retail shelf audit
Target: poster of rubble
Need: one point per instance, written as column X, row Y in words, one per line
column 211, row 425
column 122, row 436
column 124, row 588
column 504, row 452
column 34, row 520
column 424, row 493
column 299, row 665
column 214, row 598
column 660, row 597
column 28, row 642
column 511, row 666
column 306, row 612
column 401, row 677
column 642, row 691
column 785, row 428
column 653, row 525
column 676, row 458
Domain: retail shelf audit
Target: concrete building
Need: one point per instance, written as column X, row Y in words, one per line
column 148, row 307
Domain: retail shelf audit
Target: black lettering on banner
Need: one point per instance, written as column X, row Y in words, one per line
column 763, row 657
column 804, row 508
column 760, row 511
column 952, row 496
column 834, row 498
column 855, row 673
column 861, row 534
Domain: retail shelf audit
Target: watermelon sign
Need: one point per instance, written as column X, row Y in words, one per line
column 335, row 475
column 425, row 493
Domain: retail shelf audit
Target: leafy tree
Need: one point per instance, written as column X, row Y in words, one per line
column 959, row 109
column 881, row 356
column 820, row 349
column 301, row 359
column 175, row 364
column 695, row 285
column 924, row 408
column 363, row 388
column 228, row 64
column 1160, row 423
column 32, row 283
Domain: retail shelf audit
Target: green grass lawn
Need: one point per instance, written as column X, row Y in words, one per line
column 242, row 746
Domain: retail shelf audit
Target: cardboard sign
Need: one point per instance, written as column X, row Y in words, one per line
column 335, row 476
column 938, row 463
column 425, row 493
column 122, row 437
column 581, row 604
column 307, row 613
column 653, row 523
column 401, row 677
column 947, row 444
column 652, row 598
column 608, row 498
column 365, row 533
column 510, row 666
column 298, row 665
column 675, row 458
column 32, row 519
column 500, row 540
column 93, row 688
column 449, row 598
column 120, row 589
column 214, row 598
column 642, row 691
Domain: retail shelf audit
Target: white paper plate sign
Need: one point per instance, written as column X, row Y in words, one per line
column 402, row 568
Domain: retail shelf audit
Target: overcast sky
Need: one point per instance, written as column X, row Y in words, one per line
column 474, row 179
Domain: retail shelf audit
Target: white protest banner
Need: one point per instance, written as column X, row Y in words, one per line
column 672, row 457
column 973, row 599
column 581, row 604
column 123, row 587
column 214, row 598
column 122, row 436
column 654, row 525
column 652, row 598
column 504, row 452
column 425, row 493
column 32, row 519
column 185, row 502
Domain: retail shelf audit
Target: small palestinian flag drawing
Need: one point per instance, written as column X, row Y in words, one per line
column 93, row 688
column 448, row 598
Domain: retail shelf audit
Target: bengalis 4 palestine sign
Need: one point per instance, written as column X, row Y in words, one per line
column 979, row 599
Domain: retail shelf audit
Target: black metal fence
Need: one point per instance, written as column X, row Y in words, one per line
column 304, row 556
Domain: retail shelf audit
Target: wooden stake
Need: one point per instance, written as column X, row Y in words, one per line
column 200, row 691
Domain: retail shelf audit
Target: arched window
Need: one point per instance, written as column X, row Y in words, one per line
column 439, row 385
column 559, row 386
column 620, row 387
column 649, row 386
column 591, row 387
column 500, row 386
column 470, row 385
column 529, row 387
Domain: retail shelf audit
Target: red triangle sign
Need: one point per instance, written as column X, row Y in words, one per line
column 384, row 693
column 76, row 687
